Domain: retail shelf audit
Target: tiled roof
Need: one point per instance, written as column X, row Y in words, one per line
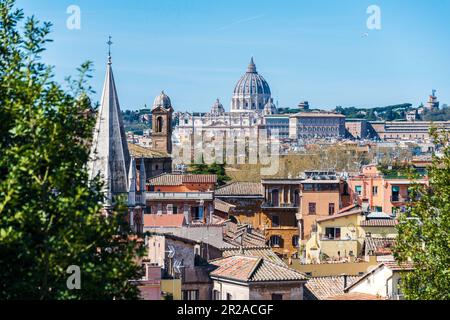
column 241, row 189
column 140, row 152
column 395, row 266
column 378, row 245
column 379, row 223
column 378, row 215
column 179, row 179
column 253, row 269
column 356, row 296
column 263, row 252
column 243, row 236
column 223, row 206
column 165, row 220
column 340, row 215
column 321, row 288
column 199, row 178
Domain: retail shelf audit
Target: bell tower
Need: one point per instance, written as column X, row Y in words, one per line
column 162, row 124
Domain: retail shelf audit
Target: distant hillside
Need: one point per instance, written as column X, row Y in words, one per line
column 388, row 113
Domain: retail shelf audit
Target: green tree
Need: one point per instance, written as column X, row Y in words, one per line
column 424, row 232
column 215, row 168
column 50, row 212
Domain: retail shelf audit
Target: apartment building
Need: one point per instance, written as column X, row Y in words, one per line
column 189, row 194
column 388, row 193
column 282, row 200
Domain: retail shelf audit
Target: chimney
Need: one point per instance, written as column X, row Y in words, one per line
column 345, row 281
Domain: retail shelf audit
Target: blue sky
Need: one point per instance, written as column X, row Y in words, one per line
column 196, row 50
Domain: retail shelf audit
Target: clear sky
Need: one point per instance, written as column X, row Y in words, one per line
column 196, row 50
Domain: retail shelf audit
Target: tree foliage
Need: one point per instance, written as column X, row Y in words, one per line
column 424, row 232
column 214, row 168
column 49, row 209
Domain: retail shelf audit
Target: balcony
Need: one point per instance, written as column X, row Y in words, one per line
column 179, row 196
column 270, row 205
column 400, row 199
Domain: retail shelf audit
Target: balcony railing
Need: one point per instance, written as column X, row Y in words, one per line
column 400, row 199
column 280, row 205
column 179, row 196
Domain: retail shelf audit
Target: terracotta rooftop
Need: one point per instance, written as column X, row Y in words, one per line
column 140, row 152
column 340, row 215
column 378, row 245
column 253, row 269
column 241, row 189
column 356, row 296
column 167, row 179
column 321, row 288
column 379, row 223
column 395, row 266
column 392, row 265
column 243, row 236
column 263, row 252
column 165, row 220
column 223, row 206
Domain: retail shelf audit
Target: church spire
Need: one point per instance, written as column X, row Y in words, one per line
column 110, row 157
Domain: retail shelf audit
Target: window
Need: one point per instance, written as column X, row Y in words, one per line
column 216, row 295
column 333, row 233
column 190, row 295
column 358, row 190
column 277, row 296
column 312, row 208
column 175, row 210
column 374, row 190
column 275, row 198
column 295, row 241
column 197, row 213
column 331, row 209
column 297, row 198
column 395, row 193
column 275, row 221
column 275, row 241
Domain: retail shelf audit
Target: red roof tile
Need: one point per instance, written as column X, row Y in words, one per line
column 339, row 215
column 253, row 269
column 179, row 179
column 356, row 296
column 379, row 223
column 165, row 220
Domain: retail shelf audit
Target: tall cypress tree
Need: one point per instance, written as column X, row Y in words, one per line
column 49, row 209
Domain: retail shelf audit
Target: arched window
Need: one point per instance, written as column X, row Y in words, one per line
column 159, row 124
